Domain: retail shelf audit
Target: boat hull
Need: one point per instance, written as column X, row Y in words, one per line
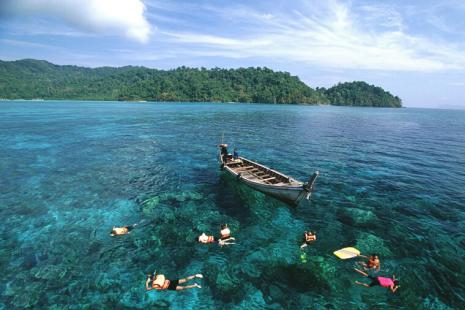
column 291, row 193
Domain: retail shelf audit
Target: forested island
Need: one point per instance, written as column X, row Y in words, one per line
column 31, row 79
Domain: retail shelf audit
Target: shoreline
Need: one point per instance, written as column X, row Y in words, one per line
column 198, row 102
column 228, row 103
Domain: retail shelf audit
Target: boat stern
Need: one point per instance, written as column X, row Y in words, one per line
column 307, row 188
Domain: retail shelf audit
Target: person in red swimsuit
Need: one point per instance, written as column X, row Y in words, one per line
column 392, row 284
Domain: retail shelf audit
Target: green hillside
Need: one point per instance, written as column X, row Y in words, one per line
column 29, row 79
column 361, row 94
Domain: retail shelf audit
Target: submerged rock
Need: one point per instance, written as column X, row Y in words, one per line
column 29, row 261
column 149, row 205
column 191, row 195
column 131, row 299
column 226, row 285
column 324, row 271
column 27, row 296
column 58, row 307
column 434, row 303
column 253, row 301
column 369, row 243
column 105, row 283
column 250, row 270
column 317, row 259
column 351, row 198
column 10, row 289
column 275, row 293
column 357, row 217
column 51, row 272
column 226, row 282
column 25, row 300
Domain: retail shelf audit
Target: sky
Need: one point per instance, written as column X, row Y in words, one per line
column 413, row 49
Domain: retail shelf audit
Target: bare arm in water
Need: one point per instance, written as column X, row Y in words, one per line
column 147, row 287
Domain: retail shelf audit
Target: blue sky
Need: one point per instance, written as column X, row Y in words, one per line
column 414, row 49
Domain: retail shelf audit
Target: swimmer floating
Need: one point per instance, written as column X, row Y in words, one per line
column 224, row 239
column 160, row 283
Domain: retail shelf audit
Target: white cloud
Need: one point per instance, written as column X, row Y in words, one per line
column 330, row 34
column 214, row 40
column 109, row 17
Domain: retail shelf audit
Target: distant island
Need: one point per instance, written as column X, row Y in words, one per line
column 31, row 79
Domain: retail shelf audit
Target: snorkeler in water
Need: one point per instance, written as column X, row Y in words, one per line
column 203, row 238
column 160, row 283
column 390, row 283
column 309, row 237
column 118, row 231
column 372, row 262
column 225, row 235
column 224, row 239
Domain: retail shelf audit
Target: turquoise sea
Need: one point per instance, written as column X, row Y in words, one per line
column 392, row 182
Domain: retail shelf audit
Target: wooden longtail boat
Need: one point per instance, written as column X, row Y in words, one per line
column 267, row 180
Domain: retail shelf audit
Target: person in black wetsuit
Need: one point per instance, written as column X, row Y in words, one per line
column 160, row 283
column 224, row 152
column 390, row 283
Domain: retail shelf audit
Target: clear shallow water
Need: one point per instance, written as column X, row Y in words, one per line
column 392, row 181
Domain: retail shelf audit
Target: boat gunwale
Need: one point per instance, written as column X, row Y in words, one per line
column 274, row 186
column 286, row 186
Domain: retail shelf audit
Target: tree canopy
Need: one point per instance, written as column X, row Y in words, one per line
column 361, row 94
column 29, row 79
